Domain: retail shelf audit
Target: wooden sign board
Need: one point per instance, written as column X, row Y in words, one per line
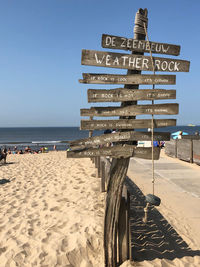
column 122, row 94
column 94, row 78
column 117, row 151
column 125, row 124
column 157, row 109
column 132, row 62
column 191, row 137
column 116, row 42
column 119, row 137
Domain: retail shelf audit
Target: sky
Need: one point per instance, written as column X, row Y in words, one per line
column 40, row 55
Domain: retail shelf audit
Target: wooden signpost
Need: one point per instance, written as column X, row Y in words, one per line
column 124, row 140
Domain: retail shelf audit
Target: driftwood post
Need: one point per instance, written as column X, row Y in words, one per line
column 114, row 191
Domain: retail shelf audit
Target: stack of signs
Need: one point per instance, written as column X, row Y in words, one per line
column 98, row 145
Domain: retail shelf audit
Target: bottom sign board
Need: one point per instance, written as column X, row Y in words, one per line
column 125, row 124
column 116, row 151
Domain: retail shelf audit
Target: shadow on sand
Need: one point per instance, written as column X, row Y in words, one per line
column 157, row 238
column 7, row 163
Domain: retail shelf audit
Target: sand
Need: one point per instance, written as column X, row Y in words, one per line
column 52, row 215
column 51, row 212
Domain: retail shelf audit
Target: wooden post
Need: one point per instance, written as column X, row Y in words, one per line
column 176, row 147
column 191, row 152
column 102, row 175
column 95, row 162
column 123, row 227
column 98, row 167
column 119, row 169
column 91, row 132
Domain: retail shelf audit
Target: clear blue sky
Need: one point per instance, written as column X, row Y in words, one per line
column 40, row 54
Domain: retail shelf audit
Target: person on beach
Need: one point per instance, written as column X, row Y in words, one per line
column 3, row 154
column 180, row 134
column 54, row 148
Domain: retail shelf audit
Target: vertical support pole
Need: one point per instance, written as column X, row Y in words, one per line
column 118, row 173
column 137, row 36
column 102, row 174
column 98, row 167
column 191, row 151
column 95, row 162
column 124, row 227
column 91, row 132
column 176, row 147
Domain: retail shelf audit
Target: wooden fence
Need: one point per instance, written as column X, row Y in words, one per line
column 187, row 148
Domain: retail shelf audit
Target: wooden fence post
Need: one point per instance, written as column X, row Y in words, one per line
column 176, row 147
column 98, row 166
column 191, row 152
column 102, row 174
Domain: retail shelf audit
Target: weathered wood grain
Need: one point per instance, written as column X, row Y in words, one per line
column 96, row 78
column 158, row 109
column 122, row 94
column 116, row 151
column 191, row 137
column 125, row 124
column 171, row 148
column 118, row 173
column 196, row 151
column 119, row 137
column 132, row 62
column 184, row 149
column 117, row 42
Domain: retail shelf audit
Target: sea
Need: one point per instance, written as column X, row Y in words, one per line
column 37, row 137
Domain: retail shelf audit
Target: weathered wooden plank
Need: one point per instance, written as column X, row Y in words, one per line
column 132, row 62
column 184, row 149
column 196, row 151
column 122, row 94
column 171, row 148
column 158, row 109
column 125, row 124
column 117, row 151
column 95, row 78
column 191, row 137
column 118, row 173
column 117, row 42
column 119, row 137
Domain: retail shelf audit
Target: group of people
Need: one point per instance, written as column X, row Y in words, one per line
column 27, row 150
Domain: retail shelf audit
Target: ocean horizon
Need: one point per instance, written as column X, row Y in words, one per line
column 36, row 137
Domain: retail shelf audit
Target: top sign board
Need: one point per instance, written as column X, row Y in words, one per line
column 116, row 42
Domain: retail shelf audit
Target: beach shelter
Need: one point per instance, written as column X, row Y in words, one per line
column 176, row 134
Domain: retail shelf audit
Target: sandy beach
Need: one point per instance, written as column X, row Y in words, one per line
column 52, row 214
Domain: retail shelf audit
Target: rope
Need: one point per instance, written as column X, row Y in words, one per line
column 152, row 130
